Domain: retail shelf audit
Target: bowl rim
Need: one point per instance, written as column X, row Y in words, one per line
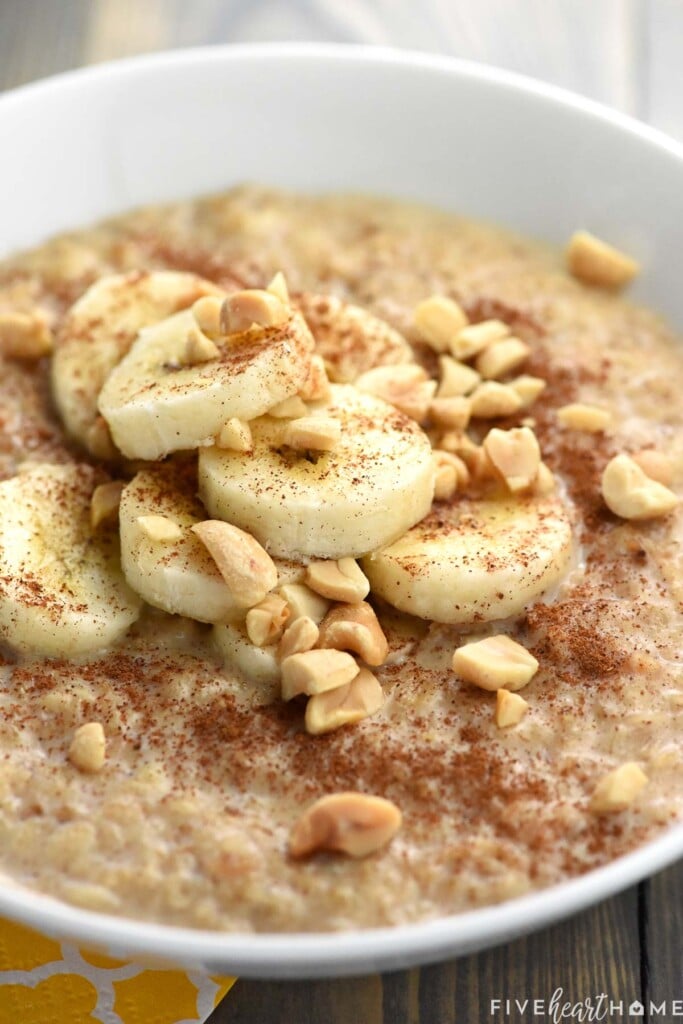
column 302, row 955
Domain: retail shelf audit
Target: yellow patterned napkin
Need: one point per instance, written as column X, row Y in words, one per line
column 47, row 982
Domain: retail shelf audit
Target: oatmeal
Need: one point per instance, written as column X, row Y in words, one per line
column 340, row 564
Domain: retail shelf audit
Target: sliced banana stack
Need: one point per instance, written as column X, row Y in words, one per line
column 180, row 384
column 374, row 482
column 350, row 339
column 62, row 592
column 98, row 331
column 476, row 559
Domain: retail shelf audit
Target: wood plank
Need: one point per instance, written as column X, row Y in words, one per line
column 597, row 951
column 663, row 914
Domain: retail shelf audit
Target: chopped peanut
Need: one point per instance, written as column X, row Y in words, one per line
column 266, row 621
column 250, row 307
column 303, row 602
column 343, row 580
column 236, row 436
column 159, row 529
column 590, row 419
column 655, row 465
column 456, row 378
column 346, row 705
column 445, row 459
column 289, row 409
column 510, row 708
column 597, row 263
column 299, row 636
column 491, row 399
column 629, row 493
column 495, row 662
column 501, row 358
column 515, row 456
column 312, row 672
column 528, row 388
column 445, row 481
column 88, row 747
column 244, row 564
column 199, row 349
column 474, row 339
column 207, row 314
column 545, row 482
column 278, row 288
column 452, row 413
column 617, row 790
column 350, row 823
column 316, row 387
column 406, row 386
column 24, row 336
column 355, row 627
column 99, row 440
column 313, row 433
column 438, row 320
column 105, row 501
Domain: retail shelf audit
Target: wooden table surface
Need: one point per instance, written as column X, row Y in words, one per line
column 627, row 53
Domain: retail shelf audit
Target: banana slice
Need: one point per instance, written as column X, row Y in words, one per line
column 369, row 489
column 165, row 561
column 475, row 560
column 155, row 403
column 259, row 665
column 98, row 331
column 350, row 339
column 62, row 592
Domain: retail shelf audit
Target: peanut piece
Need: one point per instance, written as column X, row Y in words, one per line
column 495, row 662
column 406, row 386
column 346, row 705
column 265, row 622
column 236, row 435
column 207, row 314
column 300, row 635
column 278, row 288
column 343, row 580
column 244, row 564
column 510, row 708
column 88, row 747
column 456, row 378
column 199, row 349
column 313, row 433
column 99, row 440
column 105, row 501
column 24, row 336
column 159, row 529
column 356, row 628
column 316, row 387
column 545, row 482
column 452, row 413
column 501, row 358
column 474, row 339
column 445, row 481
column 312, row 672
column 618, row 789
column 630, row 494
column 250, row 307
column 528, row 388
column 438, row 319
column 445, row 459
column 515, row 456
column 596, row 263
column 289, row 408
column 491, row 399
column 590, row 419
column 350, row 823
column 303, row 602
column 655, row 465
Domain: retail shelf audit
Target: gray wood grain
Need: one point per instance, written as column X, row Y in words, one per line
column 661, row 929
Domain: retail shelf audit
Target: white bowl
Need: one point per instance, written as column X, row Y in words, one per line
column 469, row 138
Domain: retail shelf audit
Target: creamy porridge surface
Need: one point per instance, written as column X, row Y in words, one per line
column 206, row 771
